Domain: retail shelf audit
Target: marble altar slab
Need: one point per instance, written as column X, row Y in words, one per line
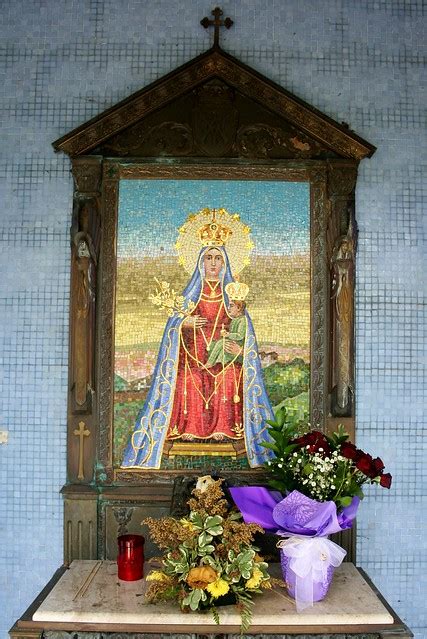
column 89, row 592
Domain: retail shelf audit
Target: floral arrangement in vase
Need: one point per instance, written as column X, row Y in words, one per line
column 209, row 557
column 320, row 479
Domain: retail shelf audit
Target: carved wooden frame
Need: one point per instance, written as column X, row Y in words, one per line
column 291, row 141
column 332, row 184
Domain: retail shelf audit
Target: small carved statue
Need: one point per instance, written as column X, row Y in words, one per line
column 342, row 292
column 85, row 307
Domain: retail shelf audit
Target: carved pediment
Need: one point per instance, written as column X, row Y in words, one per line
column 214, row 106
column 214, row 120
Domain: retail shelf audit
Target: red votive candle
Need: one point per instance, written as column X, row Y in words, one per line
column 130, row 560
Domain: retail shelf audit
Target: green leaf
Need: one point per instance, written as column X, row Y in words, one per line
column 345, row 501
column 272, row 447
column 245, row 556
column 206, row 550
column 204, row 538
column 213, row 520
column 278, row 485
column 195, row 598
column 270, row 422
column 208, row 560
column 281, row 416
column 215, row 615
column 290, row 448
column 196, row 520
column 277, row 436
column 234, row 516
column 246, row 604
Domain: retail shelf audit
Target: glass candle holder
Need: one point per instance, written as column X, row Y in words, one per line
column 130, row 558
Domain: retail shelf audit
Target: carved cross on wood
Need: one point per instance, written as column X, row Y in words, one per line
column 216, row 23
column 81, row 433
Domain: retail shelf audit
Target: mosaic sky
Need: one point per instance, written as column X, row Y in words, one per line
column 276, row 212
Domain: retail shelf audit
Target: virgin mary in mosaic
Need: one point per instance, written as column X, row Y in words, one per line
column 207, row 382
column 212, row 322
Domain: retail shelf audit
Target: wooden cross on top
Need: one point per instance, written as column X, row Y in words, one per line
column 216, row 23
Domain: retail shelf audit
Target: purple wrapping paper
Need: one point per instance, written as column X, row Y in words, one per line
column 308, row 557
column 296, row 514
column 318, row 586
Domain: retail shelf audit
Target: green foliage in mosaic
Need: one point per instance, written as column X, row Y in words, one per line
column 120, row 384
column 286, row 380
column 298, row 407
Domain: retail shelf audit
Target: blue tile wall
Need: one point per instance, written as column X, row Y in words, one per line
column 64, row 61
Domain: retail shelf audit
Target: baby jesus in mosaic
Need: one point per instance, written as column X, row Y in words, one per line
column 207, row 384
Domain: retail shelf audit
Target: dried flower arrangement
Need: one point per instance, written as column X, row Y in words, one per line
column 209, row 557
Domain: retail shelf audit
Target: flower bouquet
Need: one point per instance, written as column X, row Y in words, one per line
column 209, row 558
column 322, row 477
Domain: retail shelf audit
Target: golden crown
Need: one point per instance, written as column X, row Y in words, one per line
column 237, row 291
column 213, row 233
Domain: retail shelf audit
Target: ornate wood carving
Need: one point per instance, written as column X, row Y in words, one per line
column 106, row 323
column 214, row 120
column 343, row 259
column 81, row 433
column 319, row 287
column 85, row 238
column 342, row 236
column 213, row 64
column 215, row 132
column 85, row 243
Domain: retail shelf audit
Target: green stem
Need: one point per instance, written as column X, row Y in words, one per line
column 335, row 497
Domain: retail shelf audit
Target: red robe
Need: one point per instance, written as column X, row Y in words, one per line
column 206, row 401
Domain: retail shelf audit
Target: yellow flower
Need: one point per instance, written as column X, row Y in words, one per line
column 187, row 523
column 157, row 575
column 218, row 588
column 255, row 579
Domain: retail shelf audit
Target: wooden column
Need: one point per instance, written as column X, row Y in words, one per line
column 85, row 241
column 341, row 251
column 80, row 497
column 342, row 237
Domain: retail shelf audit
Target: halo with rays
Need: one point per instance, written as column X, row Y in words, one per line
column 238, row 245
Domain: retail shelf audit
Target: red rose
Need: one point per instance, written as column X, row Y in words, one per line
column 378, row 465
column 315, row 440
column 385, row 480
column 349, row 450
column 364, row 464
column 299, row 441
